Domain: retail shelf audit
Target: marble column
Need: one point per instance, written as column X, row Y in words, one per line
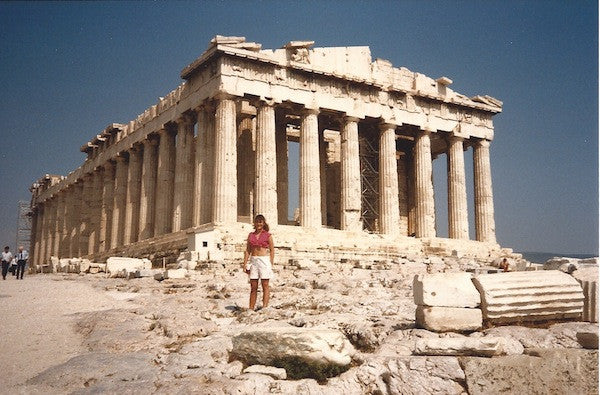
column 148, row 188
column 96, row 210
column 310, row 183
column 184, row 174
column 132, row 207
column 246, row 165
column 485, row 228
column 87, row 196
column 39, row 239
column 225, row 176
column 425, row 205
column 119, row 201
column 108, row 188
column 204, row 165
column 281, row 148
column 350, row 168
column 165, row 182
column 389, row 213
column 77, row 218
column 46, row 237
column 266, row 163
column 71, row 220
column 58, row 212
column 323, row 173
column 403, row 193
column 458, row 223
column 63, row 215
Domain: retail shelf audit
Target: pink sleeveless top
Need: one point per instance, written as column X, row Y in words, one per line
column 260, row 240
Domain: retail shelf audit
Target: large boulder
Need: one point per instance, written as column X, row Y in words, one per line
column 445, row 290
column 115, row 266
column 302, row 352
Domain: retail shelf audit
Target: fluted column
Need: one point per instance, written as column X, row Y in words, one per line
column 204, row 165
column 50, row 228
column 246, row 165
column 148, row 188
column 96, row 210
column 266, row 163
column 58, row 212
column 323, row 174
column 281, row 148
column 184, row 174
column 44, row 245
column 350, row 169
column 107, row 205
column 70, row 221
column 389, row 213
column 403, row 192
column 458, row 223
column 75, row 228
column 225, row 178
column 425, row 206
column 165, row 182
column 39, row 239
column 485, row 228
column 119, row 202
column 310, row 183
column 132, row 207
column 88, row 194
column 63, row 217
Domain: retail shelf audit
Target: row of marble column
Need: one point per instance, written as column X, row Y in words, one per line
column 171, row 181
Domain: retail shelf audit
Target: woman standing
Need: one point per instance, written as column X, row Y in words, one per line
column 258, row 259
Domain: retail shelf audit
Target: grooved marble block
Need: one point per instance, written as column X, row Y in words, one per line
column 529, row 296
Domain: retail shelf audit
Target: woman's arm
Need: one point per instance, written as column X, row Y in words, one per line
column 246, row 256
column 271, row 249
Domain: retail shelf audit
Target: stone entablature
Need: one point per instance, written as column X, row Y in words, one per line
column 215, row 150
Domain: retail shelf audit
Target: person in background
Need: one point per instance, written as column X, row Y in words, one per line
column 258, row 260
column 22, row 257
column 7, row 257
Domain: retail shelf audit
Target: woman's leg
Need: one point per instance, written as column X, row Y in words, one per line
column 253, row 291
column 266, row 292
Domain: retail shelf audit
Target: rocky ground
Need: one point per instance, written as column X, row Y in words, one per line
column 71, row 333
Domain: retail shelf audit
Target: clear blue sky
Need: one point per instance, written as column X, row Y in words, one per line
column 68, row 69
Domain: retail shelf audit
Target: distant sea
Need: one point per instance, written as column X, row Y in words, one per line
column 542, row 257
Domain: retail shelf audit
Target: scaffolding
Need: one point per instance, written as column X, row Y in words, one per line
column 369, row 178
column 24, row 225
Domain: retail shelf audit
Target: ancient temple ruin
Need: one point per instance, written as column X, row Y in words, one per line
column 190, row 172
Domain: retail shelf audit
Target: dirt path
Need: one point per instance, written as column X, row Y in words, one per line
column 36, row 323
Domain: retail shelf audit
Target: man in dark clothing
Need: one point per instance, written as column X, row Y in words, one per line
column 7, row 257
column 22, row 257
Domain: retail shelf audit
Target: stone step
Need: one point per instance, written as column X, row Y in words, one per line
column 529, row 296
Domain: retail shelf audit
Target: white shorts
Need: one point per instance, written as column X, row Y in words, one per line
column 260, row 268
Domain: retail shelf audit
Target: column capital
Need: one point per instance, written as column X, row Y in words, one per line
column 120, row 157
column 350, row 118
column 137, row 147
column 453, row 137
column 221, row 95
column 187, row 118
column 387, row 125
column 206, row 105
column 482, row 143
column 310, row 111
